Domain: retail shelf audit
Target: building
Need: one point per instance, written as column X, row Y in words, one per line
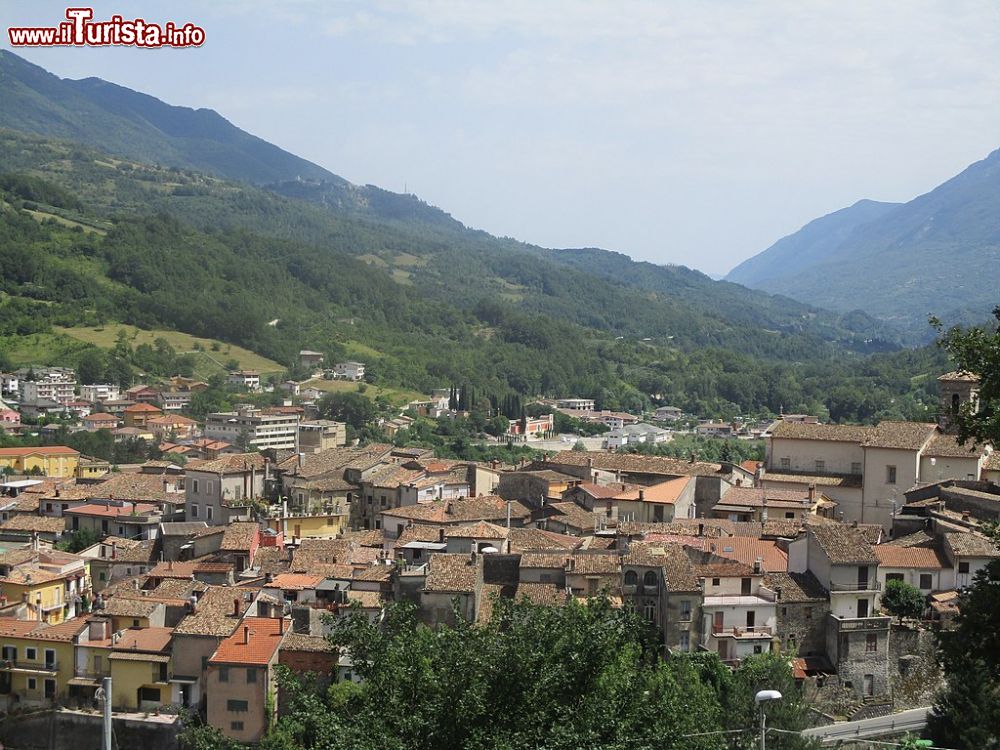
column 635, row 434
column 49, row 460
column 349, row 370
column 36, row 661
column 252, row 428
column 173, row 427
column 321, row 434
column 100, row 421
column 219, row 491
column 100, row 392
column 527, row 428
column 667, row 414
column 60, row 391
column 9, row 416
column 129, row 519
column 239, row 679
column 247, row 379
column 310, row 359
column 139, row 414
column 575, row 404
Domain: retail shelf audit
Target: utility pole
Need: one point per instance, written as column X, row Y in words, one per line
column 106, row 689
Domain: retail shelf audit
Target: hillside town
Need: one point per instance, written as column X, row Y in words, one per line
column 190, row 580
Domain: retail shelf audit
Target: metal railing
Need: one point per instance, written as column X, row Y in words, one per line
column 856, row 586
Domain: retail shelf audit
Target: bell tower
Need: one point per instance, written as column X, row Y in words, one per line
column 957, row 389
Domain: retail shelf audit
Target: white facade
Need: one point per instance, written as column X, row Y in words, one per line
column 576, row 404
column 101, row 392
column 62, row 392
column 349, row 370
column 258, row 430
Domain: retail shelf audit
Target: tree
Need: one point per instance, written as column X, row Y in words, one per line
column 580, row 446
column 91, row 366
column 78, row 540
column 903, row 600
column 353, row 408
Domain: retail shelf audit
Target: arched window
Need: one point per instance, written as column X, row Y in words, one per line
column 631, row 578
column 649, row 609
column 649, row 579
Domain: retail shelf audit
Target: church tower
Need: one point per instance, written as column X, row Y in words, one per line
column 957, row 388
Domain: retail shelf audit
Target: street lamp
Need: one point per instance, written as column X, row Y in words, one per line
column 762, row 697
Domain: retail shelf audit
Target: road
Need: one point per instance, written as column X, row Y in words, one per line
column 905, row 721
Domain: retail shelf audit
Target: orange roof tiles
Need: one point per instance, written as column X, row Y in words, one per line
column 294, row 581
column 897, row 556
column 45, row 450
column 254, row 642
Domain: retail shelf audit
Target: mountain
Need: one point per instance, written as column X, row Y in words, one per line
column 814, row 244
column 937, row 254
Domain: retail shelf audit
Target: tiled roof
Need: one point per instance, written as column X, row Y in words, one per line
column 959, row 375
column 130, row 486
column 64, row 631
column 262, row 640
column 899, row 435
column 635, row 463
column 897, row 556
column 993, row 461
column 144, row 639
column 105, row 510
column 843, row 544
column 42, row 524
column 478, row 530
column 742, row 549
column 594, row 563
column 947, row 446
column 679, row 573
column 551, row 559
column 239, row 536
column 968, row 544
column 375, row 573
column 820, row 480
column 523, row 539
column 603, row 491
column 42, row 450
column 484, row 508
column 839, row 433
column 795, row 587
column 213, row 613
column 448, row 573
column 303, row 642
column 665, row 493
column 142, row 407
column 122, row 607
column 544, row 594
column 233, row 463
column 755, row 498
column 294, row 581
column 366, row 599
column 574, row 516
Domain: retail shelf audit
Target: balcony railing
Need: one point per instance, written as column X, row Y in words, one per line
column 752, row 631
column 18, row 665
column 856, row 586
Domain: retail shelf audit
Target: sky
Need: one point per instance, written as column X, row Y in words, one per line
column 675, row 132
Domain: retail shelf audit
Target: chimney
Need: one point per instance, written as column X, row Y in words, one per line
column 441, row 535
column 236, row 607
column 758, row 566
column 701, row 529
column 966, row 517
column 281, row 624
column 246, row 635
column 812, row 493
column 854, row 524
column 642, row 495
column 193, row 604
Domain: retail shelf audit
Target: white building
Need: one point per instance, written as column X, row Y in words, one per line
column 576, row 404
column 62, row 392
column 249, row 379
column 349, row 370
column 254, row 429
column 100, row 392
column 636, row 434
column 10, row 384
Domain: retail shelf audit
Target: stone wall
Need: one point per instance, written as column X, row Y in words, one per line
column 914, row 674
column 802, row 626
column 74, row 730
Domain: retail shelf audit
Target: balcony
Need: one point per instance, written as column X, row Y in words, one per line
column 856, row 586
column 845, row 624
column 753, row 631
column 30, row 667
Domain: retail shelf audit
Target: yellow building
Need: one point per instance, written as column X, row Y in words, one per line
column 50, row 587
column 50, row 460
column 36, row 661
column 311, row 525
column 141, row 670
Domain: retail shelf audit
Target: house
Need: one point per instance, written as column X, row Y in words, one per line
column 10, row 384
column 129, row 519
column 239, row 679
column 254, row 428
column 142, row 393
column 760, row 504
column 449, row 589
column 291, row 387
column 100, row 421
column 99, row 392
column 667, row 414
column 453, row 513
column 575, row 404
column 349, row 370
column 321, row 434
column 246, row 379
column 635, row 434
column 51, row 586
column 172, row 401
column 172, row 426
column 526, row 427
column 219, row 491
column 138, row 415
column 60, row 391
column 715, row 429
column 922, row 565
column 9, row 416
column 310, row 359
column 36, row 661
column 739, row 615
column 140, row 666
column 48, row 460
column 534, row 487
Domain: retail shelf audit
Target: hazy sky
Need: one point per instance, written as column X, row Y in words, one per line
column 677, row 132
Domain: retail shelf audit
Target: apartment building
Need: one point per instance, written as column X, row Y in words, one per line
column 252, row 428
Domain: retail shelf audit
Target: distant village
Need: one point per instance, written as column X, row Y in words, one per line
column 203, row 572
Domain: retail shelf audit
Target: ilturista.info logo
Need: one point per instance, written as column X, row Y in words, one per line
column 81, row 30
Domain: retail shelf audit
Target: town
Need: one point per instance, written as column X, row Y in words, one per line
column 190, row 579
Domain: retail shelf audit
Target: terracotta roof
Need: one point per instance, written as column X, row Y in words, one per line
column 947, row 446
column 544, row 594
column 820, row 480
column 105, row 510
column 679, row 573
column 100, row 417
column 602, row 491
column 374, row 573
column 665, row 493
column 596, row 562
column 574, row 516
column 899, row 435
column 742, row 549
column 968, row 544
column 448, row 573
column 897, row 556
column 523, row 539
column 843, row 544
column 213, row 613
column 142, row 407
column 366, row 599
column 233, row 463
column 551, row 559
column 174, row 569
column 635, row 463
column 262, row 640
column 752, row 497
column 64, row 631
column 42, row 524
column 122, row 607
column 795, row 587
column 294, row 581
column 144, row 639
column 239, row 536
column 993, row 461
column 839, row 433
column 478, row 530
column 43, row 450
column 484, row 508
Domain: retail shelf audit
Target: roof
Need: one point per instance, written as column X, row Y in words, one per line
column 483, row 508
column 64, row 631
column 843, row 545
column 909, row 436
column 960, row 375
column 294, row 581
column 233, row 463
column 947, row 446
column 121, row 607
column 899, row 556
column 602, row 491
column 450, row 573
column 795, row 587
column 100, row 417
column 968, row 544
column 213, row 613
column 839, row 433
column 144, row 639
column 44, row 450
column 140, row 407
column 574, row 516
column 826, row 480
column 758, row 497
column 479, row 530
column 598, row 562
column 744, row 549
column 635, row 463
column 239, row 536
column 528, row 538
column 99, row 509
column 303, row 642
column 42, row 524
column 665, row 493
column 254, row 642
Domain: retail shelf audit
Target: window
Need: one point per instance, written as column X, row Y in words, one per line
column 890, row 474
column 251, row 674
column 820, row 465
column 786, row 463
column 807, row 613
column 685, row 610
column 30, row 654
column 236, row 726
column 963, row 567
column 631, row 578
column 135, row 623
column 758, row 649
column 925, row 581
column 50, row 657
column 855, row 467
column 194, row 486
column 893, row 577
column 715, row 581
column 224, row 674
column 790, row 514
column 871, row 643
column 237, row 705
column 208, row 487
column 685, row 641
column 194, row 511
column 649, row 610
column 236, row 492
column 209, row 512
column 32, row 683
column 649, row 579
